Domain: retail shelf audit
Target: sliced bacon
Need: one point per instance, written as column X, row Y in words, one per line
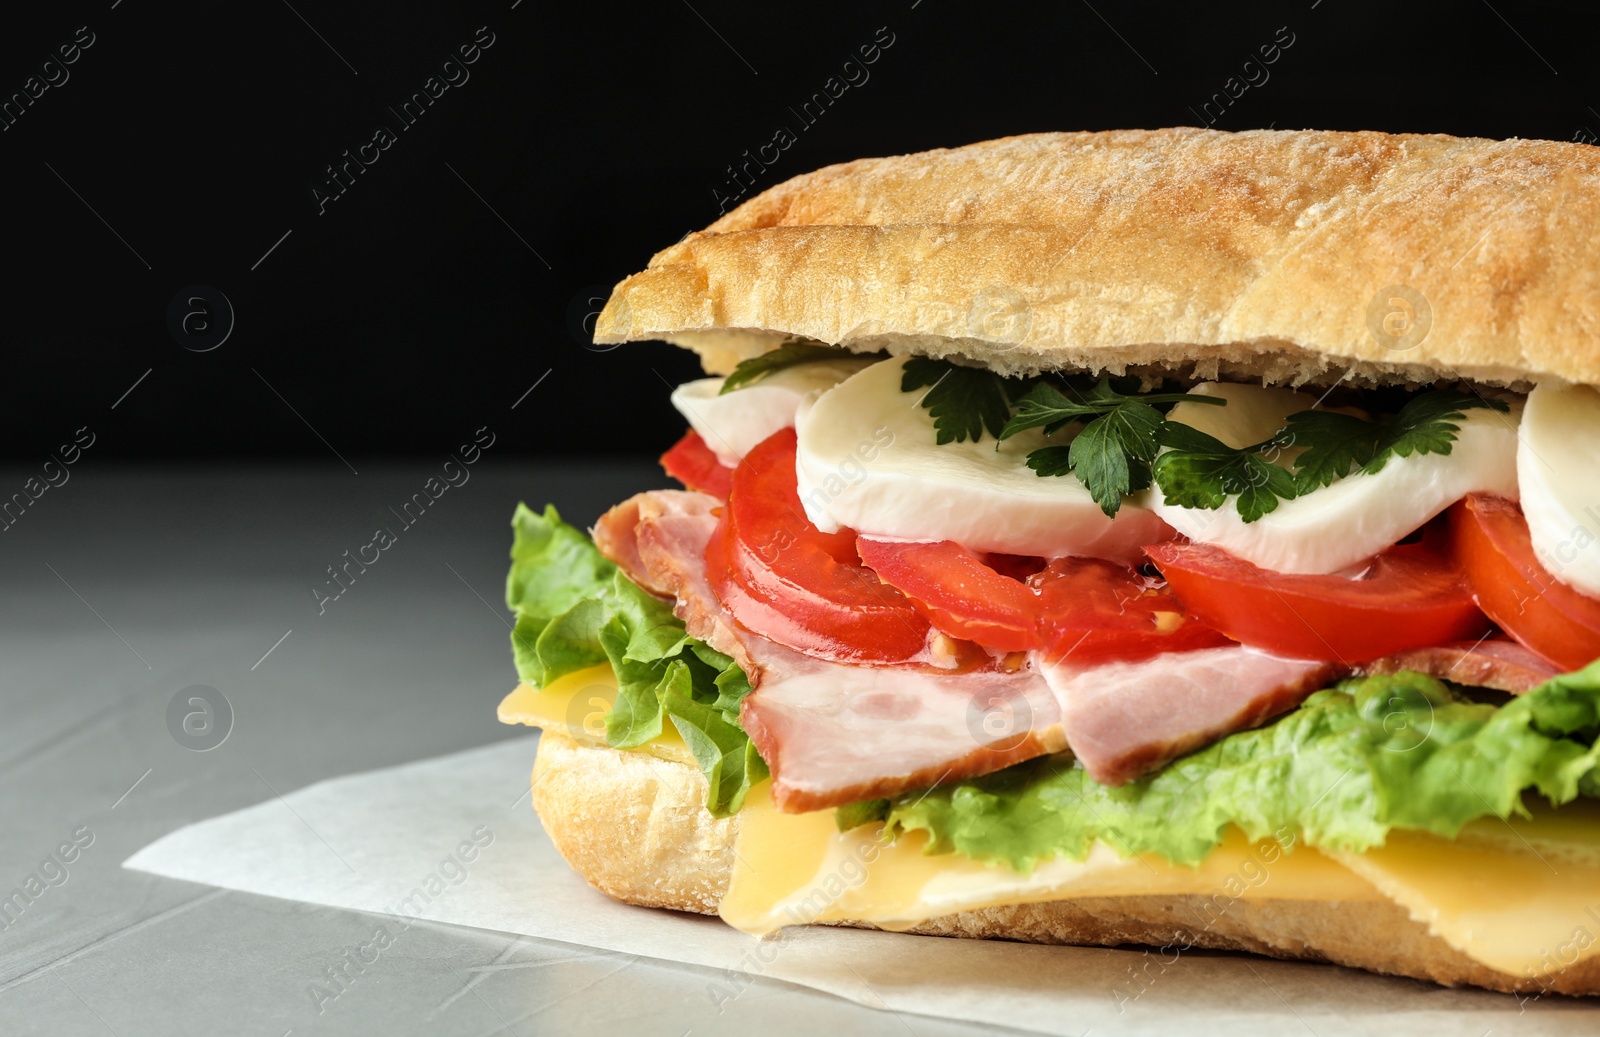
column 1126, row 719
column 1493, row 663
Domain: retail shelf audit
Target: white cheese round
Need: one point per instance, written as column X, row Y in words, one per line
column 868, row 460
column 1558, row 469
column 733, row 424
column 1337, row 526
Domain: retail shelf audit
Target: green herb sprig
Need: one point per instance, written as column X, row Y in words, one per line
column 965, row 402
column 1200, row 471
column 790, row 354
column 1113, row 452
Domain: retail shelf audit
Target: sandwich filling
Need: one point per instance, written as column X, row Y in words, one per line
column 1046, row 626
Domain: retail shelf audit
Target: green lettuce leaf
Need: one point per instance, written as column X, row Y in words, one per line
column 553, row 565
column 575, row 609
column 1355, row 761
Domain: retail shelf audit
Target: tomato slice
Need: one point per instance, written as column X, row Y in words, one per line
column 1493, row 546
column 692, row 463
column 1411, row 596
column 1086, row 608
column 959, row 592
column 783, row 578
column 1097, row 611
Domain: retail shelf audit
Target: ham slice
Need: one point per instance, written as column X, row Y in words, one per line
column 1493, row 663
column 836, row 733
column 616, row 534
column 1129, row 718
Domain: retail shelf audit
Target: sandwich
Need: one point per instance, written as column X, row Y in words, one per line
column 1175, row 538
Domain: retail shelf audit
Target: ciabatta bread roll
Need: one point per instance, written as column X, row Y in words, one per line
column 1264, row 255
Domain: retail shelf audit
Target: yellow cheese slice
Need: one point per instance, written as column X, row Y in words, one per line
column 577, row 705
column 798, row 868
column 1521, row 896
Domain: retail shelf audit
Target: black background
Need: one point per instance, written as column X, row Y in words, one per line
column 458, row 269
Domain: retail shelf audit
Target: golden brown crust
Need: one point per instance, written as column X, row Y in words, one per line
column 635, row 828
column 1255, row 254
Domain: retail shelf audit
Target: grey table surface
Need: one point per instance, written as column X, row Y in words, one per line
column 127, row 584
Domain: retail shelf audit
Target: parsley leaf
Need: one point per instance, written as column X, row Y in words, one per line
column 1051, row 460
column 1427, row 424
column 1111, row 455
column 787, row 355
column 1045, row 405
column 1336, row 444
column 964, row 401
column 1201, row 471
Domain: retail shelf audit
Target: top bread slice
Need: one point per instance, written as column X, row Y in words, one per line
column 1283, row 256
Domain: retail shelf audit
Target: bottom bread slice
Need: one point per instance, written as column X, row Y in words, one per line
column 635, row 826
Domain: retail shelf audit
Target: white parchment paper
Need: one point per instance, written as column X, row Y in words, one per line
column 454, row 839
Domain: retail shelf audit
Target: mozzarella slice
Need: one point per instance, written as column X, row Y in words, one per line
column 868, row 461
column 1556, row 463
column 734, row 423
column 1337, row 526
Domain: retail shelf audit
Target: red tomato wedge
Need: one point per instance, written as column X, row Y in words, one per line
column 1084, row 608
column 1411, row 596
column 783, row 578
column 692, row 463
column 1493, row 547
